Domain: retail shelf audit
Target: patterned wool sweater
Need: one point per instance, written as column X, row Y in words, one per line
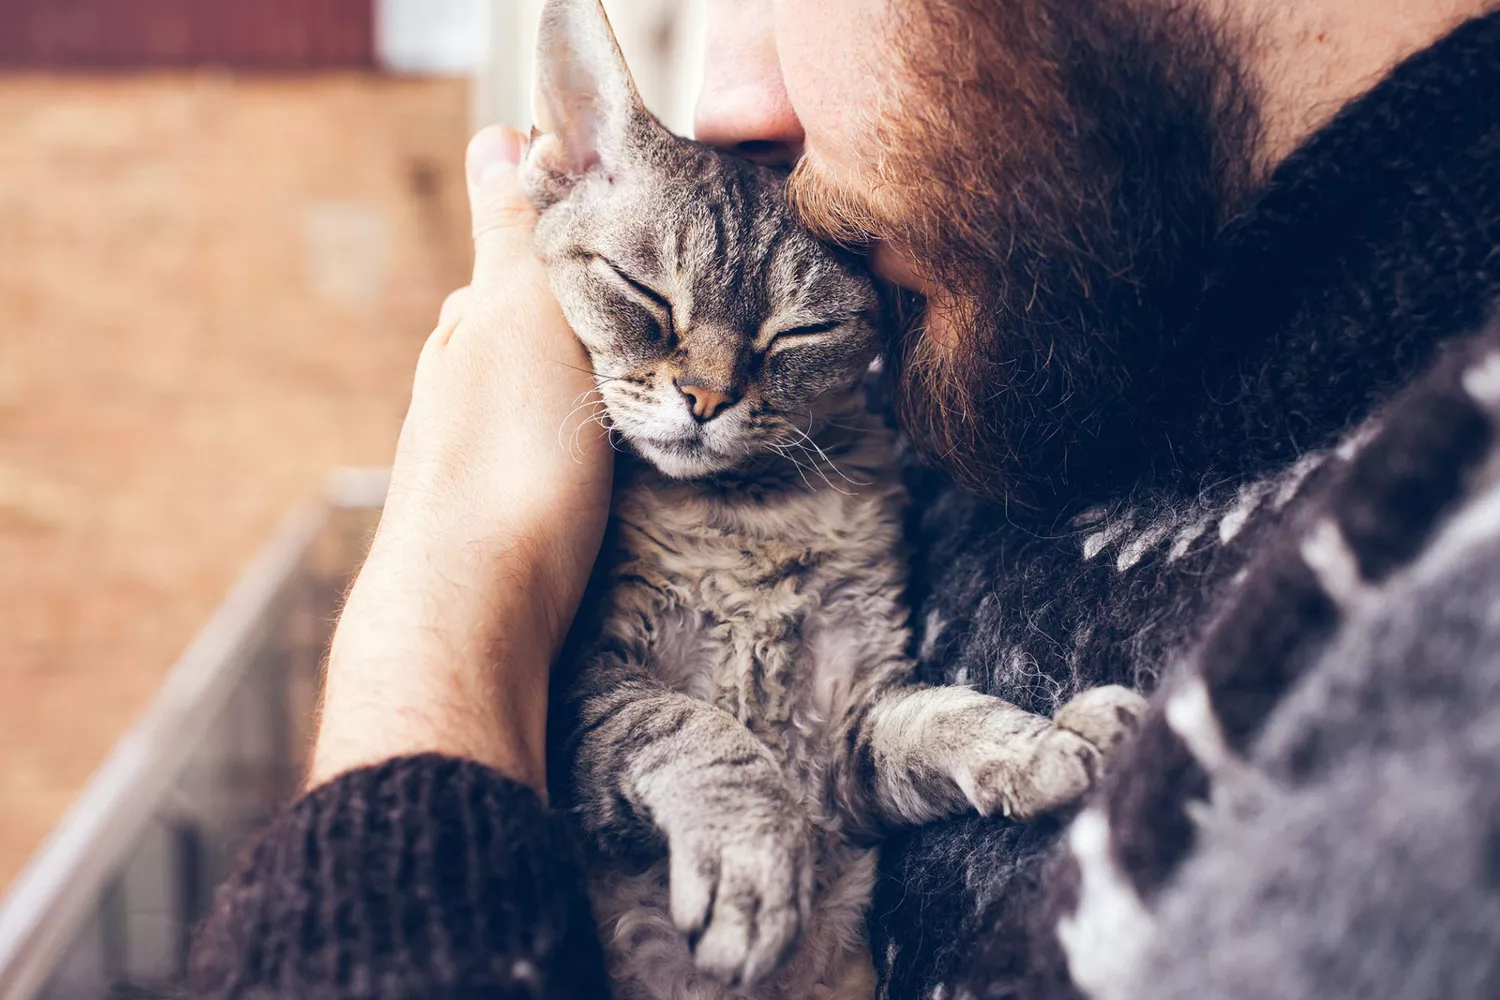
column 1300, row 565
column 1337, row 423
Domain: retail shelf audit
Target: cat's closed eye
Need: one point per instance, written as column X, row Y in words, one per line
column 655, row 303
column 808, row 330
column 804, row 335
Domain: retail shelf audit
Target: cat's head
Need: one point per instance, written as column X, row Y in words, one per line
column 719, row 329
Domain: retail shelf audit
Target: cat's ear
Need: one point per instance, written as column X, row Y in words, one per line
column 586, row 104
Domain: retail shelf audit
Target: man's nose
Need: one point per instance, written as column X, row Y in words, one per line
column 705, row 403
column 743, row 107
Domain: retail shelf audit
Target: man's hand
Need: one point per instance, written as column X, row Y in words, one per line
column 499, row 495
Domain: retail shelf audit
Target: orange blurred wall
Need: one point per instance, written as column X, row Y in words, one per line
column 212, row 290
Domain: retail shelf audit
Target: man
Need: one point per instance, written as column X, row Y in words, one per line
column 1197, row 361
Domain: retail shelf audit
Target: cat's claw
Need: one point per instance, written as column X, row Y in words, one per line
column 742, row 893
column 1067, row 760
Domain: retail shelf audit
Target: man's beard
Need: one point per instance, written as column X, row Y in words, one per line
column 1060, row 168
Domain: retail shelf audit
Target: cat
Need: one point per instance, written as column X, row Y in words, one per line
column 739, row 727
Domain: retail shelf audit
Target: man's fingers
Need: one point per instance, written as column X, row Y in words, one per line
column 502, row 215
column 510, row 294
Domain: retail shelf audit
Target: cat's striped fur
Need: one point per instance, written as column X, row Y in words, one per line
column 739, row 724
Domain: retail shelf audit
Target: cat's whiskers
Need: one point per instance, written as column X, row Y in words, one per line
column 799, row 466
column 818, row 468
column 600, row 415
column 806, row 440
column 826, row 422
column 594, row 404
column 784, row 451
column 610, row 431
column 599, row 380
column 596, row 411
column 593, row 395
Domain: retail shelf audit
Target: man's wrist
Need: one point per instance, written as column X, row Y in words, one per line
column 444, row 647
column 512, row 586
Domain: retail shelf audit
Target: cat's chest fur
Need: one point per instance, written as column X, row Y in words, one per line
column 776, row 600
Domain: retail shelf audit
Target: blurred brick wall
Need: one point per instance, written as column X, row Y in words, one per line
column 132, row 34
column 213, row 289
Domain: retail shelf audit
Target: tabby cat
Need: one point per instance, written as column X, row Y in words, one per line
column 741, row 730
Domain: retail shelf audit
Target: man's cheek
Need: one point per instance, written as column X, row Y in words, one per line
column 831, row 56
column 941, row 324
column 895, row 264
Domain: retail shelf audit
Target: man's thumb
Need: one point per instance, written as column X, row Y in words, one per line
column 502, row 215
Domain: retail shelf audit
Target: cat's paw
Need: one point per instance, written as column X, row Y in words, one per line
column 741, row 891
column 1105, row 717
column 1064, row 762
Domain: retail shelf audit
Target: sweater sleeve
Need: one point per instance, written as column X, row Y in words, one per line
column 421, row 877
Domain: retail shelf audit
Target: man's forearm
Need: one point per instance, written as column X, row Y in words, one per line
column 427, row 659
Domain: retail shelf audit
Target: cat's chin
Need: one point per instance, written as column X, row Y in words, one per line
column 683, row 461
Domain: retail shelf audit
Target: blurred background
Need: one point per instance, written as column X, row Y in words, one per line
column 225, row 229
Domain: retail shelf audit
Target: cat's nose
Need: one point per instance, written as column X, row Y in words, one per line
column 704, row 403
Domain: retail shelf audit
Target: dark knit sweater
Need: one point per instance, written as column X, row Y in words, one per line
column 1372, row 251
column 423, row 877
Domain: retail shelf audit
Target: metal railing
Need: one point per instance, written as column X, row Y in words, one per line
column 108, row 904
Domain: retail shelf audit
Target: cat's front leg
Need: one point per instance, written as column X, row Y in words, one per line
column 654, row 763
column 918, row 754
